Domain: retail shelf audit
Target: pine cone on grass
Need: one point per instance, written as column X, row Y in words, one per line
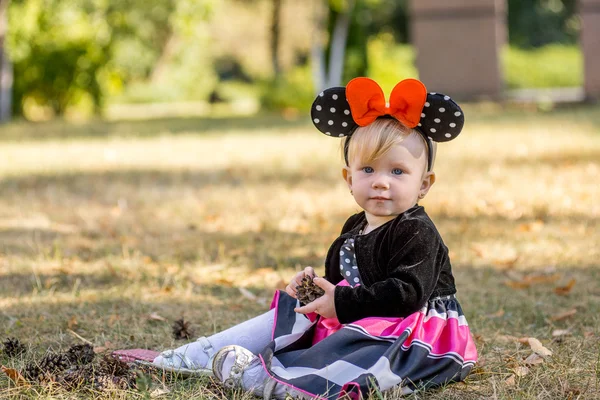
column 13, row 347
column 77, row 377
column 32, row 372
column 110, row 365
column 182, row 329
column 53, row 363
column 80, row 354
column 307, row 291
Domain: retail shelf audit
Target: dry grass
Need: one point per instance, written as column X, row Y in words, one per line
column 103, row 224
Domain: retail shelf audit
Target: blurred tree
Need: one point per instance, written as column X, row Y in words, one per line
column 535, row 23
column 5, row 67
column 275, row 34
column 67, row 51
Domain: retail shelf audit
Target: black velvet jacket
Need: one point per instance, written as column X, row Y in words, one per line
column 402, row 264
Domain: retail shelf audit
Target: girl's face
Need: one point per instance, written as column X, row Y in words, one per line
column 390, row 185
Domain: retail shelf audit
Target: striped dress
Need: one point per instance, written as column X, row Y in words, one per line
column 324, row 359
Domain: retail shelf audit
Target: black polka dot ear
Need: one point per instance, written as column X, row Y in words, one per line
column 330, row 113
column 441, row 119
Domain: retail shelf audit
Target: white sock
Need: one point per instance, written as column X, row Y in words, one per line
column 253, row 335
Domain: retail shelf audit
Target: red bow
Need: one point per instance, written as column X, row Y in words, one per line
column 367, row 101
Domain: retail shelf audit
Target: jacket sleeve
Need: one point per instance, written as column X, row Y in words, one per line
column 412, row 273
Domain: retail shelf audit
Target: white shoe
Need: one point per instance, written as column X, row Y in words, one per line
column 173, row 361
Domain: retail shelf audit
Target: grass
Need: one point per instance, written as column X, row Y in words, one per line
column 104, row 223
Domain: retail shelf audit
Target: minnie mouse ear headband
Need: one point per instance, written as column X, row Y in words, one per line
column 338, row 111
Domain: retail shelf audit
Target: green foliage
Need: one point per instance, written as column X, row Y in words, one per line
column 67, row 51
column 294, row 90
column 549, row 66
column 57, row 49
column 390, row 63
column 535, row 23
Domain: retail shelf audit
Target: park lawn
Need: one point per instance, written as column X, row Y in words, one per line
column 107, row 226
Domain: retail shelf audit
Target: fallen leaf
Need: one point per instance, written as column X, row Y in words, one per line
column 542, row 278
column 155, row 317
column 507, row 262
column 517, row 284
column 100, row 349
column 510, row 381
column 523, row 340
column 534, row 226
column 521, row 371
column 563, row 315
column 14, row 375
column 533, row 279
column 538, row 348
column 533, row 359
column 565, row 290
column 497, row 314
column 159, row 392
column 588, row 334
column 72, row 323
column 224, row 282
column 561, row 332
column 478, row 250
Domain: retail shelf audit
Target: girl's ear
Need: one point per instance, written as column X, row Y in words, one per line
column 428, row 181
column 347, row 174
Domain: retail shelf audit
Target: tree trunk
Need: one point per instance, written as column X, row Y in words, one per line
column 337, row 52
column 317, row 49
column 330, row 74
column 275, row 33
column 6, row 72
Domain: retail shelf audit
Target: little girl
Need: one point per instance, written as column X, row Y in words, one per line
column 389, row 316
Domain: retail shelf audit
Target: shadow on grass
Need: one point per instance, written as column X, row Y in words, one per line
column 58, row 129
column 482, row 291
column 88, row 184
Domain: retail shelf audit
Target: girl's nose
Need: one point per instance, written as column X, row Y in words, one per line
column 380, row 182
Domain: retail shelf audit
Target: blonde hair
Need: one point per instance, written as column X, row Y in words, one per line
column 371, row 142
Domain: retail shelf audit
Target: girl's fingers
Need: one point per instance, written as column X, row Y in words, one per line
column 309, row 271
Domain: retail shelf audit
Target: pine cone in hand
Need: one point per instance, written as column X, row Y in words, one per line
column 307, row 291
column 12, row 347
column 182, row 329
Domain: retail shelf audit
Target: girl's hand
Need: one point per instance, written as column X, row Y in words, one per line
column 324, row 305
column 297, row 280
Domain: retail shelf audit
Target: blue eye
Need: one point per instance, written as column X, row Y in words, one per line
column 368, row 170
column 397, row 171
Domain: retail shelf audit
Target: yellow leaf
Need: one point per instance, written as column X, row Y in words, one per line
column 14, row 375
column 564, row 290
column 561, row 332
column 533, row 359
column 563, row 315
column 72, row 323
column 538, row 348
column 521, row 371
column 510, row 381
column 155, row 317
column 497, row 314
